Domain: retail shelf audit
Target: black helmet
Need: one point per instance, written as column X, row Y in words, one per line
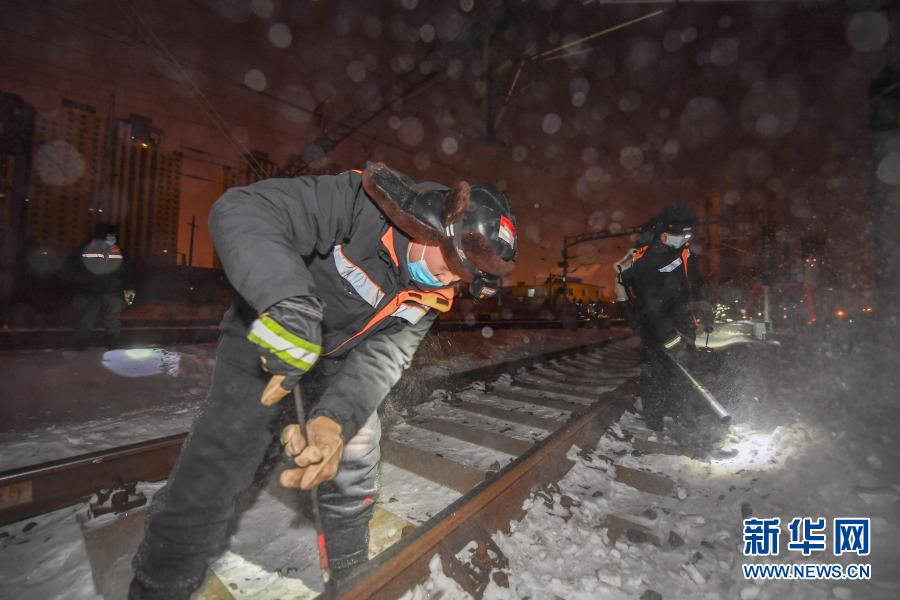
column 101, row 230
column 473, row 225
column 649, row 231
column 678, row 218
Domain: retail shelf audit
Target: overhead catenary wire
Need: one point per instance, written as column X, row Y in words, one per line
column 118, row 36
column 214, row 114
column 599, row 33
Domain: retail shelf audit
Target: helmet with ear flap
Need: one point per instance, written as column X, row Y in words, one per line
column 473, row 225
column 484, row 286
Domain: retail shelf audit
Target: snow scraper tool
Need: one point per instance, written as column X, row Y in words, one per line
column 317, row 514
column 723, row 415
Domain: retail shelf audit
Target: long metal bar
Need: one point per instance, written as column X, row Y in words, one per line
column 707, row 396
column 321, row 541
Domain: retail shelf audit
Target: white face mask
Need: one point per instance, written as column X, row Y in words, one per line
column 676, row 241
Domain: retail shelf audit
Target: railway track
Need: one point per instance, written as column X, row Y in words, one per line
column 486, row 440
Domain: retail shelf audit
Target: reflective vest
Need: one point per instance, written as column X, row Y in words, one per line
column 100, row 258
column 409, row 305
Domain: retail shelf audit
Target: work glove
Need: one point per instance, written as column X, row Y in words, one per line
column 128, row 296
column 318, row 460
column 679, row 347
column 289, row 336
column 705, row 315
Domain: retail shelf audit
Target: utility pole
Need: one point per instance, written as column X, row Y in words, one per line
column 565, row 268
column 193, row 226
column 766, row 269
column 487, row 63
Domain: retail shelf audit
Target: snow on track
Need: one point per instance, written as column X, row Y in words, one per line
column 435, row 409
column 472, row 455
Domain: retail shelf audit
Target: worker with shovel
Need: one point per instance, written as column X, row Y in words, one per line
column 663, row 282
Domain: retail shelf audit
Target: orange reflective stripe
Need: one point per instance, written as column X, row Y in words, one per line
column 639, row 253
column 388, row 240
column 381, row 315
column 684, row 258
column 356, row 171
column 440, row 300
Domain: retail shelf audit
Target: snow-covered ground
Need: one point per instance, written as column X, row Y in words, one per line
column 66, row 553
column 814, row 435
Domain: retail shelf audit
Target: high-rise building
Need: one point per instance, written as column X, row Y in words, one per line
column 143, row 191
column 65, row 177
column 16, row 141
column 165, row 217
column 86, row 170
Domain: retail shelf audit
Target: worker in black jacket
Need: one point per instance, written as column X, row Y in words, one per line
column 103, row 279
column 669, row 298
column 347, row 271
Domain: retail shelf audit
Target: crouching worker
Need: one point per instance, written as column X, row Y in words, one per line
column 347, row 271
column 669, row 297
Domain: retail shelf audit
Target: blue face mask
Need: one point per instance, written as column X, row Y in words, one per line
column 418, row 270
column 111, row 239
column 677, row 241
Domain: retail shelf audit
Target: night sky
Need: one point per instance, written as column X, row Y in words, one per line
column 738, row 99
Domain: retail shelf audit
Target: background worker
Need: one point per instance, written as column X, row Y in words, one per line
column 669, row 299
column 103, row 279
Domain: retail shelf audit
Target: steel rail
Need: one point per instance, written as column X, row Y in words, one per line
column 33, row 490
column 487, row 508
column 37, row 489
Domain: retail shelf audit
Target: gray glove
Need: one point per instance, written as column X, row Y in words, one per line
column 703, row 310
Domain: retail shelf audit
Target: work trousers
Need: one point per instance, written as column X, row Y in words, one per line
column 661, row 390
column 188, row 518
column 111, row 303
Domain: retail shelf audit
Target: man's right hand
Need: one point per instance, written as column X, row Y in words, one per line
column 706, row 316
column 289, row 336
column 318, row 459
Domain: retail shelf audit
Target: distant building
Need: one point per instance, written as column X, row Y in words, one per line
column 144, row 191
column 86, row 171
column 65, row 177
column 16, row 142
column 552, row 290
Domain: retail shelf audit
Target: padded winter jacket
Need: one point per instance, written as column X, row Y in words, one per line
column 101, row 268
column 664, row 281
column 323, row 236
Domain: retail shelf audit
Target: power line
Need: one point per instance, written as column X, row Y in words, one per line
column 600, row 33
column 67, row 93
column 164, row 52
